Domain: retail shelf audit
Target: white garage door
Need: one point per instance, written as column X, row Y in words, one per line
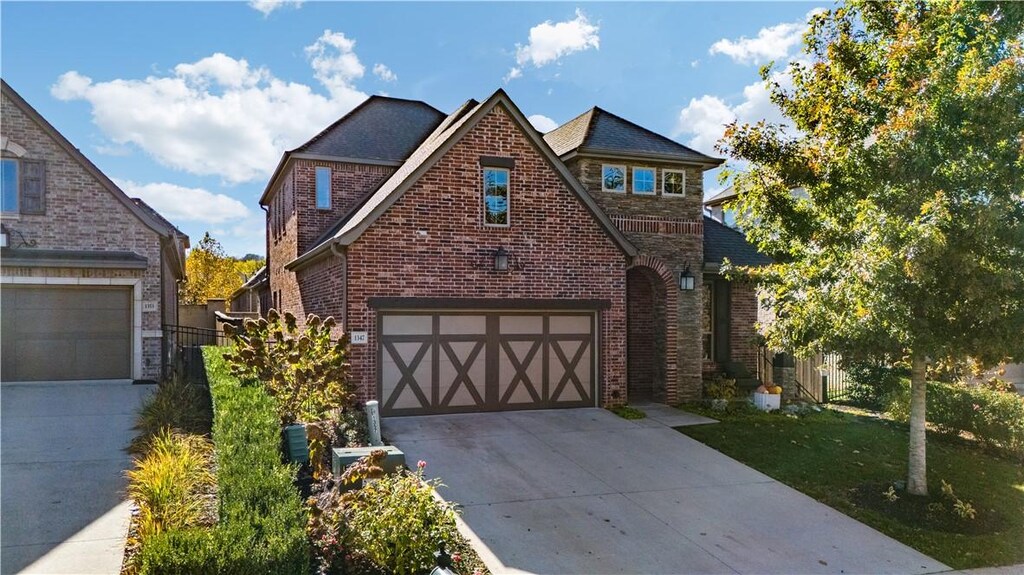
column 65, row 333
column 455, row 362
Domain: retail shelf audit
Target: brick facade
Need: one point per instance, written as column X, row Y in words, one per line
column 82, row 214
column 743, row 315
column 668, row 232
column 564, row 252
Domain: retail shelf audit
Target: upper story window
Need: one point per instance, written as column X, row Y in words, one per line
column 496, row 200
column 323, row 188
column 10, row 186
column 613, row 178
column 643, row 180
column 673, row 183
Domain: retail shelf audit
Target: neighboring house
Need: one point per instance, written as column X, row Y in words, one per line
column 88, row 274
column 478, row 265
column 253, row 295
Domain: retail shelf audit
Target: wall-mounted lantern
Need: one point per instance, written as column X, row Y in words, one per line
column 686, row 279
column 501, row 259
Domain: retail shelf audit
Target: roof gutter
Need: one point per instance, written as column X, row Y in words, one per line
column 707, row 164
column 314, row 255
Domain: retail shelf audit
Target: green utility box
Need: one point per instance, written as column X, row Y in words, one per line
column 342, row 457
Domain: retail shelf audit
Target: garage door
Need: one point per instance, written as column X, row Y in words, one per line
column 460, row 362
column 62, row 333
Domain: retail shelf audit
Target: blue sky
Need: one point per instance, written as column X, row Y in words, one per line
column 189, row 105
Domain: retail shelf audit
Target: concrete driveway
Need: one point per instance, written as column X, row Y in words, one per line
column 61, row 482
column 583, row 491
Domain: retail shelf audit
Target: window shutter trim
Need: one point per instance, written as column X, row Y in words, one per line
column 33, row 187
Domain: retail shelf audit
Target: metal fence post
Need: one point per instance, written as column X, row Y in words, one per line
column 824, row 388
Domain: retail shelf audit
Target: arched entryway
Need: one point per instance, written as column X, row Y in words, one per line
column 645, row 333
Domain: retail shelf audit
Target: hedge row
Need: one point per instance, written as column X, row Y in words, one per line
column 993, row 417
column 261, row 527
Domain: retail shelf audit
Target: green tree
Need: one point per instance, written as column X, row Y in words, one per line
column 909, row 141
column 212, row 273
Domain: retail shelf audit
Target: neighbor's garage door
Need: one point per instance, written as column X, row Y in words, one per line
column 485, row 361
column 62, row 333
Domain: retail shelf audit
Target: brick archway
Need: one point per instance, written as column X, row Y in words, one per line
column 650, row 332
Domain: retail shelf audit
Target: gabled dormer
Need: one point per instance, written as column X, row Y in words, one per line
column 630, row 170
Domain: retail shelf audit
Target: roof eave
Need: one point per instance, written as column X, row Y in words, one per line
column 707, row 162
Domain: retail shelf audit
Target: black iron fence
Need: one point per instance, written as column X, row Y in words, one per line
column 183, row 350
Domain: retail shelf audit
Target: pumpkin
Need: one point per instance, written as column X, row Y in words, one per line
column 777, row 390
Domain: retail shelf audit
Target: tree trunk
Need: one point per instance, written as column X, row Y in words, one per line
column 917, row 481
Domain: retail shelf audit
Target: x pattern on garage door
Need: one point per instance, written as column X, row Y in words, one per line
column 485, row 361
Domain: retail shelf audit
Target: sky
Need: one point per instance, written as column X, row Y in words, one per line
column 189, row 105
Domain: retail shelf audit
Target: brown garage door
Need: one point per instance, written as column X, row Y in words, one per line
column 485, row 361
column 62, row 333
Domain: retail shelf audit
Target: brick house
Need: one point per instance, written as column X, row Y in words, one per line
column 479, row 265
column 88, row 274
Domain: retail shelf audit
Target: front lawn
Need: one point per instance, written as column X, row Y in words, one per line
column 847, row 461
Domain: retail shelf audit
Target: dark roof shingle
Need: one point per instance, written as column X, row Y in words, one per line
column 597, row 130
column 721, row 241
column 381, row 128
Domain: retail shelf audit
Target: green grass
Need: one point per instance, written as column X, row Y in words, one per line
column 828, row 455
column 627, row 412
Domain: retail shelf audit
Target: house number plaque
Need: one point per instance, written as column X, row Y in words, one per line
column 359, row 338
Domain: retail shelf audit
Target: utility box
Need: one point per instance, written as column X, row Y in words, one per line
column 342, row 457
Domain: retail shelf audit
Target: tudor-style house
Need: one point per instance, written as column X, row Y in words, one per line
column 87, row 274
column 478, row 265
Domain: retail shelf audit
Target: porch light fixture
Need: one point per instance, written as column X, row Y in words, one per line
column 4, row 236
column 686, row 279
column 501, row 260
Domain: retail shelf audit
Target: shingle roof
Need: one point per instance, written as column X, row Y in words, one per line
column 597, row 130
column 722, row 197
column 446, row 134
column 381, row 128
column 721, row 241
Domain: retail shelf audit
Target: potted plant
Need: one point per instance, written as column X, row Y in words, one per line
column 768, row 398
column 720, row 390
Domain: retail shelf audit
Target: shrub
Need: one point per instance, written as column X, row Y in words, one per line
column 176, row 405
column 169, row 483
column 871, row 382
column 261, row 516
column 720, row 388
column 303, row 370
column 396, row 523
column 993, row 417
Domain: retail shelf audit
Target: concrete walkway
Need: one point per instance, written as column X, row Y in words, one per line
column 584, row 491
column 62, row 475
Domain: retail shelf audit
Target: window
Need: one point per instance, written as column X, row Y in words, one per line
column 673, row 183
column 643, row 180
column 10, row 186
column 323, row 188
column 613, row 178
column 495, row 197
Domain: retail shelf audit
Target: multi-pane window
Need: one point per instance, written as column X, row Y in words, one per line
column 10, row 185
column 613, row 178
column 673, row 183
column 323, row 188
column 643, row 180
column 496, row 197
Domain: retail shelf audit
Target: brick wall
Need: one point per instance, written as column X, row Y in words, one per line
column 668, row 231
column 743, row 315
column 564, row 252
column 81, row 214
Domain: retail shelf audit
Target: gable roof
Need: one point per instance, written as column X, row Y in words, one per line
column 721, row 241
column 380, row 130
column 429, row 152
column 160, row 226
column 598, row 131
column 722, row 197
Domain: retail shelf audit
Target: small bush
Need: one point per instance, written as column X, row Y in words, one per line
column 871, row 382
column 627, row 412
column 396, row 523
column 168, row 484
column 993, row 417
column 176, row 405
column 303, row 370
column 720, row 388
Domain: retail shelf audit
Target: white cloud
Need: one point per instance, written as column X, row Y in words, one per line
column 548, row 42
column 543, row 123
column 220, row 115
column 513, row 74
column 268, row 6
column 771, row 43
column 384, row 73
column 178, row 203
